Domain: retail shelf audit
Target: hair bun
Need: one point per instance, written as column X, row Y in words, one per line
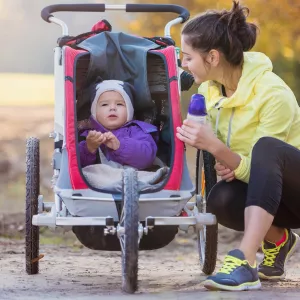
column 226, row 31
column 238, row 26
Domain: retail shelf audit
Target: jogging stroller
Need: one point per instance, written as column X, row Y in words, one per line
column 130, row 220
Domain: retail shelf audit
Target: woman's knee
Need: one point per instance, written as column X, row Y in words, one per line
column 227, row 202
column 266, row 145
column 268, row 152
column 218, row 198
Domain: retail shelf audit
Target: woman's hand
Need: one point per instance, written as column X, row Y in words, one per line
column 201, row 136
column 198, row 135
column 94, row 139
column 225, row 173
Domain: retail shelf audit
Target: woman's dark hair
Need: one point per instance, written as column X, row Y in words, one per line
column 226, row 31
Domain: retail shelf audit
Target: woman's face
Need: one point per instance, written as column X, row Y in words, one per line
column 195, row 63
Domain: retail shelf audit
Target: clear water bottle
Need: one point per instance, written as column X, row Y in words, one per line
column 197, row 109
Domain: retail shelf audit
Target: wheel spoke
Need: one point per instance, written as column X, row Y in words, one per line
column 202, row 243
column 122, row 217
column 122, row 243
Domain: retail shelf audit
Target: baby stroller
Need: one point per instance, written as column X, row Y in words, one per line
column 130, row 220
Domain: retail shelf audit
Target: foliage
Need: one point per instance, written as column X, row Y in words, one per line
column 278, row 21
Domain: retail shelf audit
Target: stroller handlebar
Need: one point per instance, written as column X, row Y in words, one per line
column 180, row 10
column 183, row 12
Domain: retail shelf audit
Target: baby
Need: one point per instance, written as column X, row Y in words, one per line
column 115, row 134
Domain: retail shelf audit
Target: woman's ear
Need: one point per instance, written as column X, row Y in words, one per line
column 213, row 57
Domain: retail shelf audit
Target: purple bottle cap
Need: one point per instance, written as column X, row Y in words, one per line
column 197, row 105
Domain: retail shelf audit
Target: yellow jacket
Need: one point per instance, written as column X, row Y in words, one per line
column 262, row 105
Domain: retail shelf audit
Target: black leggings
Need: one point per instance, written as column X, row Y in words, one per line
column 274, row 186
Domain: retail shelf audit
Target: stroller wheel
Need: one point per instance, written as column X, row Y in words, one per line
column 32, row 194
column 207, row 236
column 130, row 238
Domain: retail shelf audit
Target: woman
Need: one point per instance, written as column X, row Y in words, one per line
column 256, row 119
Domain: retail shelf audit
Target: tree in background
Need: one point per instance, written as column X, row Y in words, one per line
column 22, row 28
column 278, row 20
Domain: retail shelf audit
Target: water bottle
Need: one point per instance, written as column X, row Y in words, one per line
column 197, row 109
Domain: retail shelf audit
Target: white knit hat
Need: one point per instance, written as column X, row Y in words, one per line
column 124, row 88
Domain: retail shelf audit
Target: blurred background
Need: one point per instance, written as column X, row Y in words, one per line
column 26, row 68
column 28, row 41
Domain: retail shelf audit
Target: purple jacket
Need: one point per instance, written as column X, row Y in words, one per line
column 137, row 146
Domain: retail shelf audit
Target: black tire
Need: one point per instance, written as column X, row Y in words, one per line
column 208, row 262
column 130, row 240
column 32, row 194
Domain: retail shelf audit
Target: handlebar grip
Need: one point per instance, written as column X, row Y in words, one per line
column 183, row 12
column 48, row 10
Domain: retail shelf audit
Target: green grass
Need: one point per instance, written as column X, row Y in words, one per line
column 17, row 89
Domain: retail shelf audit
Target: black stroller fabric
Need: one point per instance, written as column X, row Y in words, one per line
column 93, row 237
column 116, row 55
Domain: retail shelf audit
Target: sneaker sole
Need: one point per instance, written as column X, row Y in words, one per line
column 247, row 286
column 290, row 253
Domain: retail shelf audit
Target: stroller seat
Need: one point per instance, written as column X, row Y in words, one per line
column 163, row 110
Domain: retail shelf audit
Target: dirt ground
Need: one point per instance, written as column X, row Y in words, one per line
column 70, row 271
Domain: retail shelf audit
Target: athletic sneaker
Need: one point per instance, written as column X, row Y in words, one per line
column 275, row 257
column 235, row 275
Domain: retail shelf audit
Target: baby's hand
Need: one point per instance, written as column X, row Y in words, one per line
column 112, row 141
column 94, row 140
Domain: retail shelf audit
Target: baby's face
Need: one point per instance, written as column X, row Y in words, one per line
column 111, row 110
